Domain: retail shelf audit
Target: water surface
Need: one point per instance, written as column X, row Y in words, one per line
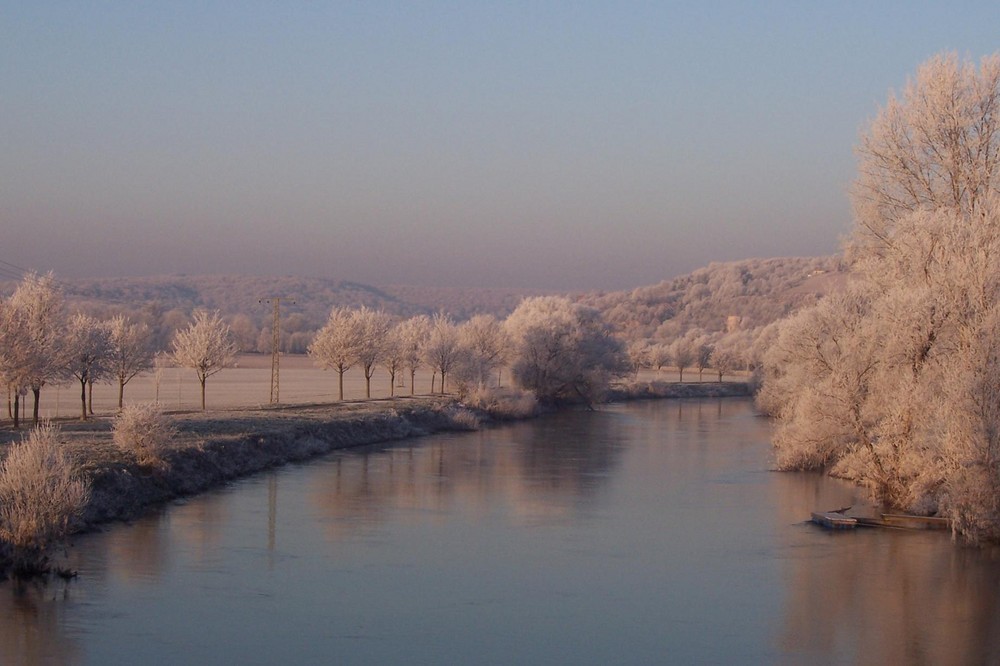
column 644, row 533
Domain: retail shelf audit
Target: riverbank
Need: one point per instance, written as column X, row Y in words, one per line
column 215, row 447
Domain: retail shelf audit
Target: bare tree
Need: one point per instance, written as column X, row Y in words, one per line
column 131, row 351
column 88, row 353
column 206, row 346
column 336, row 344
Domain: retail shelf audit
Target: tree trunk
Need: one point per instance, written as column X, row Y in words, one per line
column 121, row 393
column 16, row 415
column 392, row 383
column 90, row 397
column 442, row 382
column 35, row 393
column 341, row 384
column 83, row 399
column 203, row 378
column 368, row 385
column 434, row 376
column 413, row 375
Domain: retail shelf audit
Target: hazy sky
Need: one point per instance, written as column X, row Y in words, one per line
column 543, row 144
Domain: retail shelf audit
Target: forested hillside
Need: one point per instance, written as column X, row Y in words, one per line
column 744, row 294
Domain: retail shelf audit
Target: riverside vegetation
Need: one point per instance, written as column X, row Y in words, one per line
column 891, row 378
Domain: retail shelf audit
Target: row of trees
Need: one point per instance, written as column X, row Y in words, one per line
column 555, row 348
column 41, row 344
column 895, row 382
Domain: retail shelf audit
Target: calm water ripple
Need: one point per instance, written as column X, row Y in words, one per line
column 643, row 533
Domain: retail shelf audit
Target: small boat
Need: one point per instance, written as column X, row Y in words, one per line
column 834, row 520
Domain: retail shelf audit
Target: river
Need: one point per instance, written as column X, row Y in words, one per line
column 649, row 532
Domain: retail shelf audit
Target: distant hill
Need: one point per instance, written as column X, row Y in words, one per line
column 753, row 292
column 743, row 294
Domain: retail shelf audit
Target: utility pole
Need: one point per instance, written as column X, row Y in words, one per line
column 275, row 341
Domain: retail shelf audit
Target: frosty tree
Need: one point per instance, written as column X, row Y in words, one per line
column 336, row 345
column 563, row 351
column 892, row 382
column 372, row 329
column 442, row 349
column 88, row 348
column 486, row 345
column 411, row 336
column 206, row 345
column 32, row 336
column 131, row 351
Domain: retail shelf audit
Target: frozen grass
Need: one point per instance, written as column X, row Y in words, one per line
column 40, row 496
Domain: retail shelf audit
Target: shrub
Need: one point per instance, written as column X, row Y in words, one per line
column 40, row 495
column 463, row 419
column 504, row 403
column 145, row 432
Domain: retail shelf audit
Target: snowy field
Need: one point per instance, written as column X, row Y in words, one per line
column 249, row 385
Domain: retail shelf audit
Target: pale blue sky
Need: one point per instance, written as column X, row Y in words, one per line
column 559, row 145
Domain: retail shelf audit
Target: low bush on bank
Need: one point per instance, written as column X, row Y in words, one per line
column 41, row 495
column 504, row 403
column 144, row 432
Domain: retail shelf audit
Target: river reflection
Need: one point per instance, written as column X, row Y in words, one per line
column 641, row 533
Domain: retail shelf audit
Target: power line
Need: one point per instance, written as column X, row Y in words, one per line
column 275, row 301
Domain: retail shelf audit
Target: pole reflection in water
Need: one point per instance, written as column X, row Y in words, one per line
column 640, row 533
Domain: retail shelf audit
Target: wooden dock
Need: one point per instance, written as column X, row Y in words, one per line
column 833, row 520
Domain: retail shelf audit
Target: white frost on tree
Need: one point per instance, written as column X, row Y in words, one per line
column 32, row 349
column 412, row 334
column 131, row 351
column 88, row 348
column 894, row 382
column 206, row 345
column 563, row 351
column 336, row 345
column 485, row 347
column 372, row 330
column 442, row 349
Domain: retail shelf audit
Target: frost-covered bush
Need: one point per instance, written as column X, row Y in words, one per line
column 463, row 419
column 145, row 432
column 40, row 495
column 504, row 403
